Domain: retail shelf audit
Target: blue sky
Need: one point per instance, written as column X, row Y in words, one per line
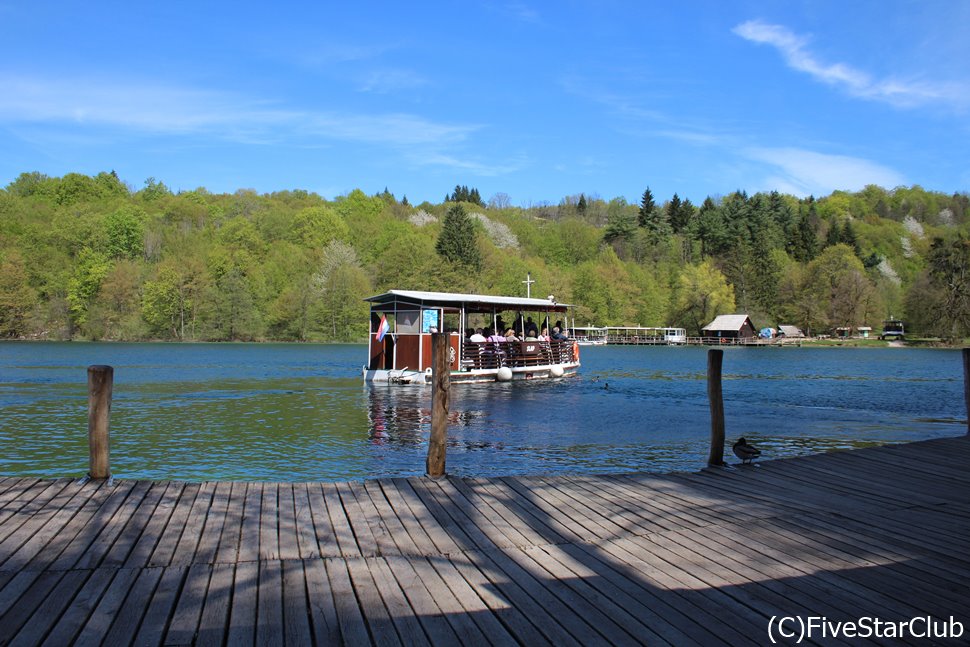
column 535, row 100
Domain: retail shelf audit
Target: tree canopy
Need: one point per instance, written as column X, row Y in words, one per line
column 90, row 257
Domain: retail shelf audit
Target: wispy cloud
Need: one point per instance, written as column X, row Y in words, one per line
column 803, row 172
column 388, row 80
column 899, row 92
column 169, row 110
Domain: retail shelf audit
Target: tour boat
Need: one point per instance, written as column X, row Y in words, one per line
column 402, row 322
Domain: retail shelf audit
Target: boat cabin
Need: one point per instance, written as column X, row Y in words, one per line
column 402, row 322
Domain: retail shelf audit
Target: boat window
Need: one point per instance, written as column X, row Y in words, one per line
column 408, row 322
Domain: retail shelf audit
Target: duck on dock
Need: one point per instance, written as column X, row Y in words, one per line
column 744, row 451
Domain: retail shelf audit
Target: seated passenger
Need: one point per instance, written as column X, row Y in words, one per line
column 557, row 334
column 510, row 335
column 544, row 335
column 477, row 337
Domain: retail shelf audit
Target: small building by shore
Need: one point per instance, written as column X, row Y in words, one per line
column 737, row 326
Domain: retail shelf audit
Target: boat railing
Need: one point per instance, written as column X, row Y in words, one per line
column 493, row 355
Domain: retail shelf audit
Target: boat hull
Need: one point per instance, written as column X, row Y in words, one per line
column 547, row 371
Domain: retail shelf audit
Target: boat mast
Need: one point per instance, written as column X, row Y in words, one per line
column 528, row 285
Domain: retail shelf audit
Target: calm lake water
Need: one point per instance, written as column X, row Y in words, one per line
column 292, row 412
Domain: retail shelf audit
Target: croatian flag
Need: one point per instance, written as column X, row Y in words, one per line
column 382, row 328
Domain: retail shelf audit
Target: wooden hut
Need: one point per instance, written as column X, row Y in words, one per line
column 730, row 327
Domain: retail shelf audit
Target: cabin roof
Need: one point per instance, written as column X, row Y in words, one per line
column 791, row 331
column 471, row 302
column 728, row 322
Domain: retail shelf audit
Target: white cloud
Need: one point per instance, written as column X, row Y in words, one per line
column 898, row 92
column 171, row 110
column 802, row 172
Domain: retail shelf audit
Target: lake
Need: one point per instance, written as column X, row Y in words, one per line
column 294, row 412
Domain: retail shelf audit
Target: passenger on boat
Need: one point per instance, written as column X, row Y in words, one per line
column 544, row 335
column 477, row 337
column 495, row 336
column 557, row 334
column 531, row 329
column 510, row 335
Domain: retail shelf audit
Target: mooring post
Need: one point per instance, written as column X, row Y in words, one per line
column 100, row 383
column 440, row 385
column 714, row 359
column 966, row 384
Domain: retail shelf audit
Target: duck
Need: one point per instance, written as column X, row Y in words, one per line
column 744, row 451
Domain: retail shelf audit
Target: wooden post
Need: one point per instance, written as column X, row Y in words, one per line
column 966, row 384
column 100, row 383
column 714, row 359
column 440, row 385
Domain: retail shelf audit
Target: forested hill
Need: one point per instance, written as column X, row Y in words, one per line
column 91, row 258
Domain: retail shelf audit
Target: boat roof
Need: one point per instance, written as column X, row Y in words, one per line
column 470, row 302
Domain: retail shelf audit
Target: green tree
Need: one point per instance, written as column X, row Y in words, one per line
column 647, row 207
column 125, row 232
column 17, row 297
column 457, row 242
column 91, row 269
column 702, row 293
column 949, row 272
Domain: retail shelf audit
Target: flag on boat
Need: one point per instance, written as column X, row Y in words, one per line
column 382, row 328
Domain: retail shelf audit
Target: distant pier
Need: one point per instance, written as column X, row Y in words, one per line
column 695, row 558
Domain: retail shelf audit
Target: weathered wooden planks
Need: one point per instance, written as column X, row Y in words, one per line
column 677, row 559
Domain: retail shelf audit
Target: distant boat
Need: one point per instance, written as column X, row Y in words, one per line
column 588, row 335
column 893, row 329
column 402, row 322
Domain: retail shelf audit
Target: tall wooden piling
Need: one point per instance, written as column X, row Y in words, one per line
column 715, row 358
column 100, row 384
column 966, row 384
column 440, row 386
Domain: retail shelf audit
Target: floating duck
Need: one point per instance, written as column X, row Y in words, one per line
column 744, row 451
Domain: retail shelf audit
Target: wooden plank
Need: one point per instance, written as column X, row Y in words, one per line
column 76, row 614
column 214, row 617
column 22, row 494
column 389, row 521
column 339, row 521
column 207, row 548
column 41, row 546
column 323, row 609
column 29, row 510
column 404, row 617
column 112, row 528
column 243, row 609
column 523, row 628
column 249, row 534
column 366, row 535
column 414, row 513
column 184, row 552
column 105, row 613
column 269, row 610
column 128, row 618
column 184, row 624
column 230, row 537
column 427, row 607
column 129, row 536
column 469, row 615
column 154, row 625
column 323, row 527
column 172, row 533
column 372, row 606
column 269, row 529
column 350, row 614
column 303, row 522
column 296, row 612
column 141, row 553
column 84, row 528
column 59, row 601
column 377, row 526
column 289, row 538
column 21, row 599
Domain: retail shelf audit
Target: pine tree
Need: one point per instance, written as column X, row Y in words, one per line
column 457, row 240
column 581, row 205
column 647, row 207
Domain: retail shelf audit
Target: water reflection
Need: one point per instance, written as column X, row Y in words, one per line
column 301, row 413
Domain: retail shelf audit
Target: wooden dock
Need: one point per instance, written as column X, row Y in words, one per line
column 680, row 559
